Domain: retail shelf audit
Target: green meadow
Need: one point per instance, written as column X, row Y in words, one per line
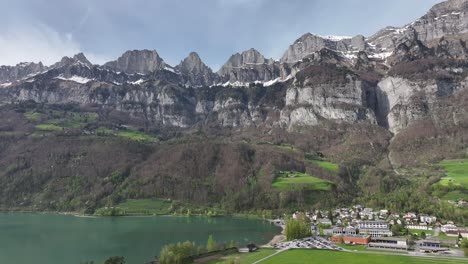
column 457, row 172
column 243, row 258
column 290, row 180
column 298, row 256
column 326, row 165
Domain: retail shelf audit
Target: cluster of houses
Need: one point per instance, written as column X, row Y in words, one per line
column 451, row 230
column 364, row 226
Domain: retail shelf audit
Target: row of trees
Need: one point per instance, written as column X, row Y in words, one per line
column 180, row 253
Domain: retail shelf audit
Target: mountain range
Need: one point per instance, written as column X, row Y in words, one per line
column 394, row 99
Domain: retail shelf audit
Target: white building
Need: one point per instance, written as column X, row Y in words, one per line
column 448, row 227
column 373, row 224
column 427, row 219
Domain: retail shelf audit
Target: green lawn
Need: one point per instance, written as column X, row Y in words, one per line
column 48, row 127
column 135, row 135
column 33, row 116
column 63, row 120
column 457, row 172
column 290, row 180
column 417, row 231
column 243, row 258
column 455, row 195
column 326, row 165
column 299, row 256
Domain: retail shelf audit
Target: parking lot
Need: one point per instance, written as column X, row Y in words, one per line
column 315, row 242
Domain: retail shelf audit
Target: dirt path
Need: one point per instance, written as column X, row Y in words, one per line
column 267, row 257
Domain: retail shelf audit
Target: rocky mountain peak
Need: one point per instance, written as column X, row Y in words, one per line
column 77, row 58
column 249, row 66
column 137, row 61
column 251, row 56
column 449, row 6
column 19, row 71
column 195, row 72
column 310, row 43
column 82, row 58
column 192, row 63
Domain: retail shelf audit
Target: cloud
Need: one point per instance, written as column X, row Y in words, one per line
column 35, row 43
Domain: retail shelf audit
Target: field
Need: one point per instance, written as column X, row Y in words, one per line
column 60, row 120
column 417, row 231
column 457, row 173
column 135, row 135
column 243, row 258
column 290, row 180
column 326, row 165
column 325, row 256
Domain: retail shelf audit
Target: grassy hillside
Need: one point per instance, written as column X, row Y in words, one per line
column 326, row 165
column 457, row 172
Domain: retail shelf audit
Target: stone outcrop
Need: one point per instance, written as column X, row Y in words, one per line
column 250, row 66
column 137, row 61
column 195, row 72
column 20, row 71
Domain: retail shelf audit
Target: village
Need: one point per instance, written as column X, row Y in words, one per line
column 381, row 230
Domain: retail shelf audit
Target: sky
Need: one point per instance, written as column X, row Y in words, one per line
column 46, row 30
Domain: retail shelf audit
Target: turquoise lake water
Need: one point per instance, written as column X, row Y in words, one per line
column 64, row 239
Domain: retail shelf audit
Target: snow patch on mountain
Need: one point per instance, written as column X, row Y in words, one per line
column 75, row 78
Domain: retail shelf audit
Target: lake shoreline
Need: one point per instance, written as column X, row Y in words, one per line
column 279, row 237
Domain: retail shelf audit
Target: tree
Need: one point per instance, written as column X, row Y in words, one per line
column 297, row 228
column 177, row 253
column 115, row 260
column 396, row 230
column 330, row 216
column 464, row 246
column 210, row 244
column 423, row 235
column 232, row 244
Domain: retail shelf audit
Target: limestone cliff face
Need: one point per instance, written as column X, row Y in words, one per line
column 394, row 78
column 339, row 102
column 137, row 61
column 20, row 71
column 402, row 101
column 310, row 43
column 195, row 72
column 250, row 66
column 444, row 19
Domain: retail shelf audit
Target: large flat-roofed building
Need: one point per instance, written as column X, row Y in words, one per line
column 389, row 243
column 374, row 228
column 373, row 224
column 351, row 239
column 345, row 230
column 432, row 246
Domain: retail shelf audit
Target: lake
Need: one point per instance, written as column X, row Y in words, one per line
column 59, row 239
